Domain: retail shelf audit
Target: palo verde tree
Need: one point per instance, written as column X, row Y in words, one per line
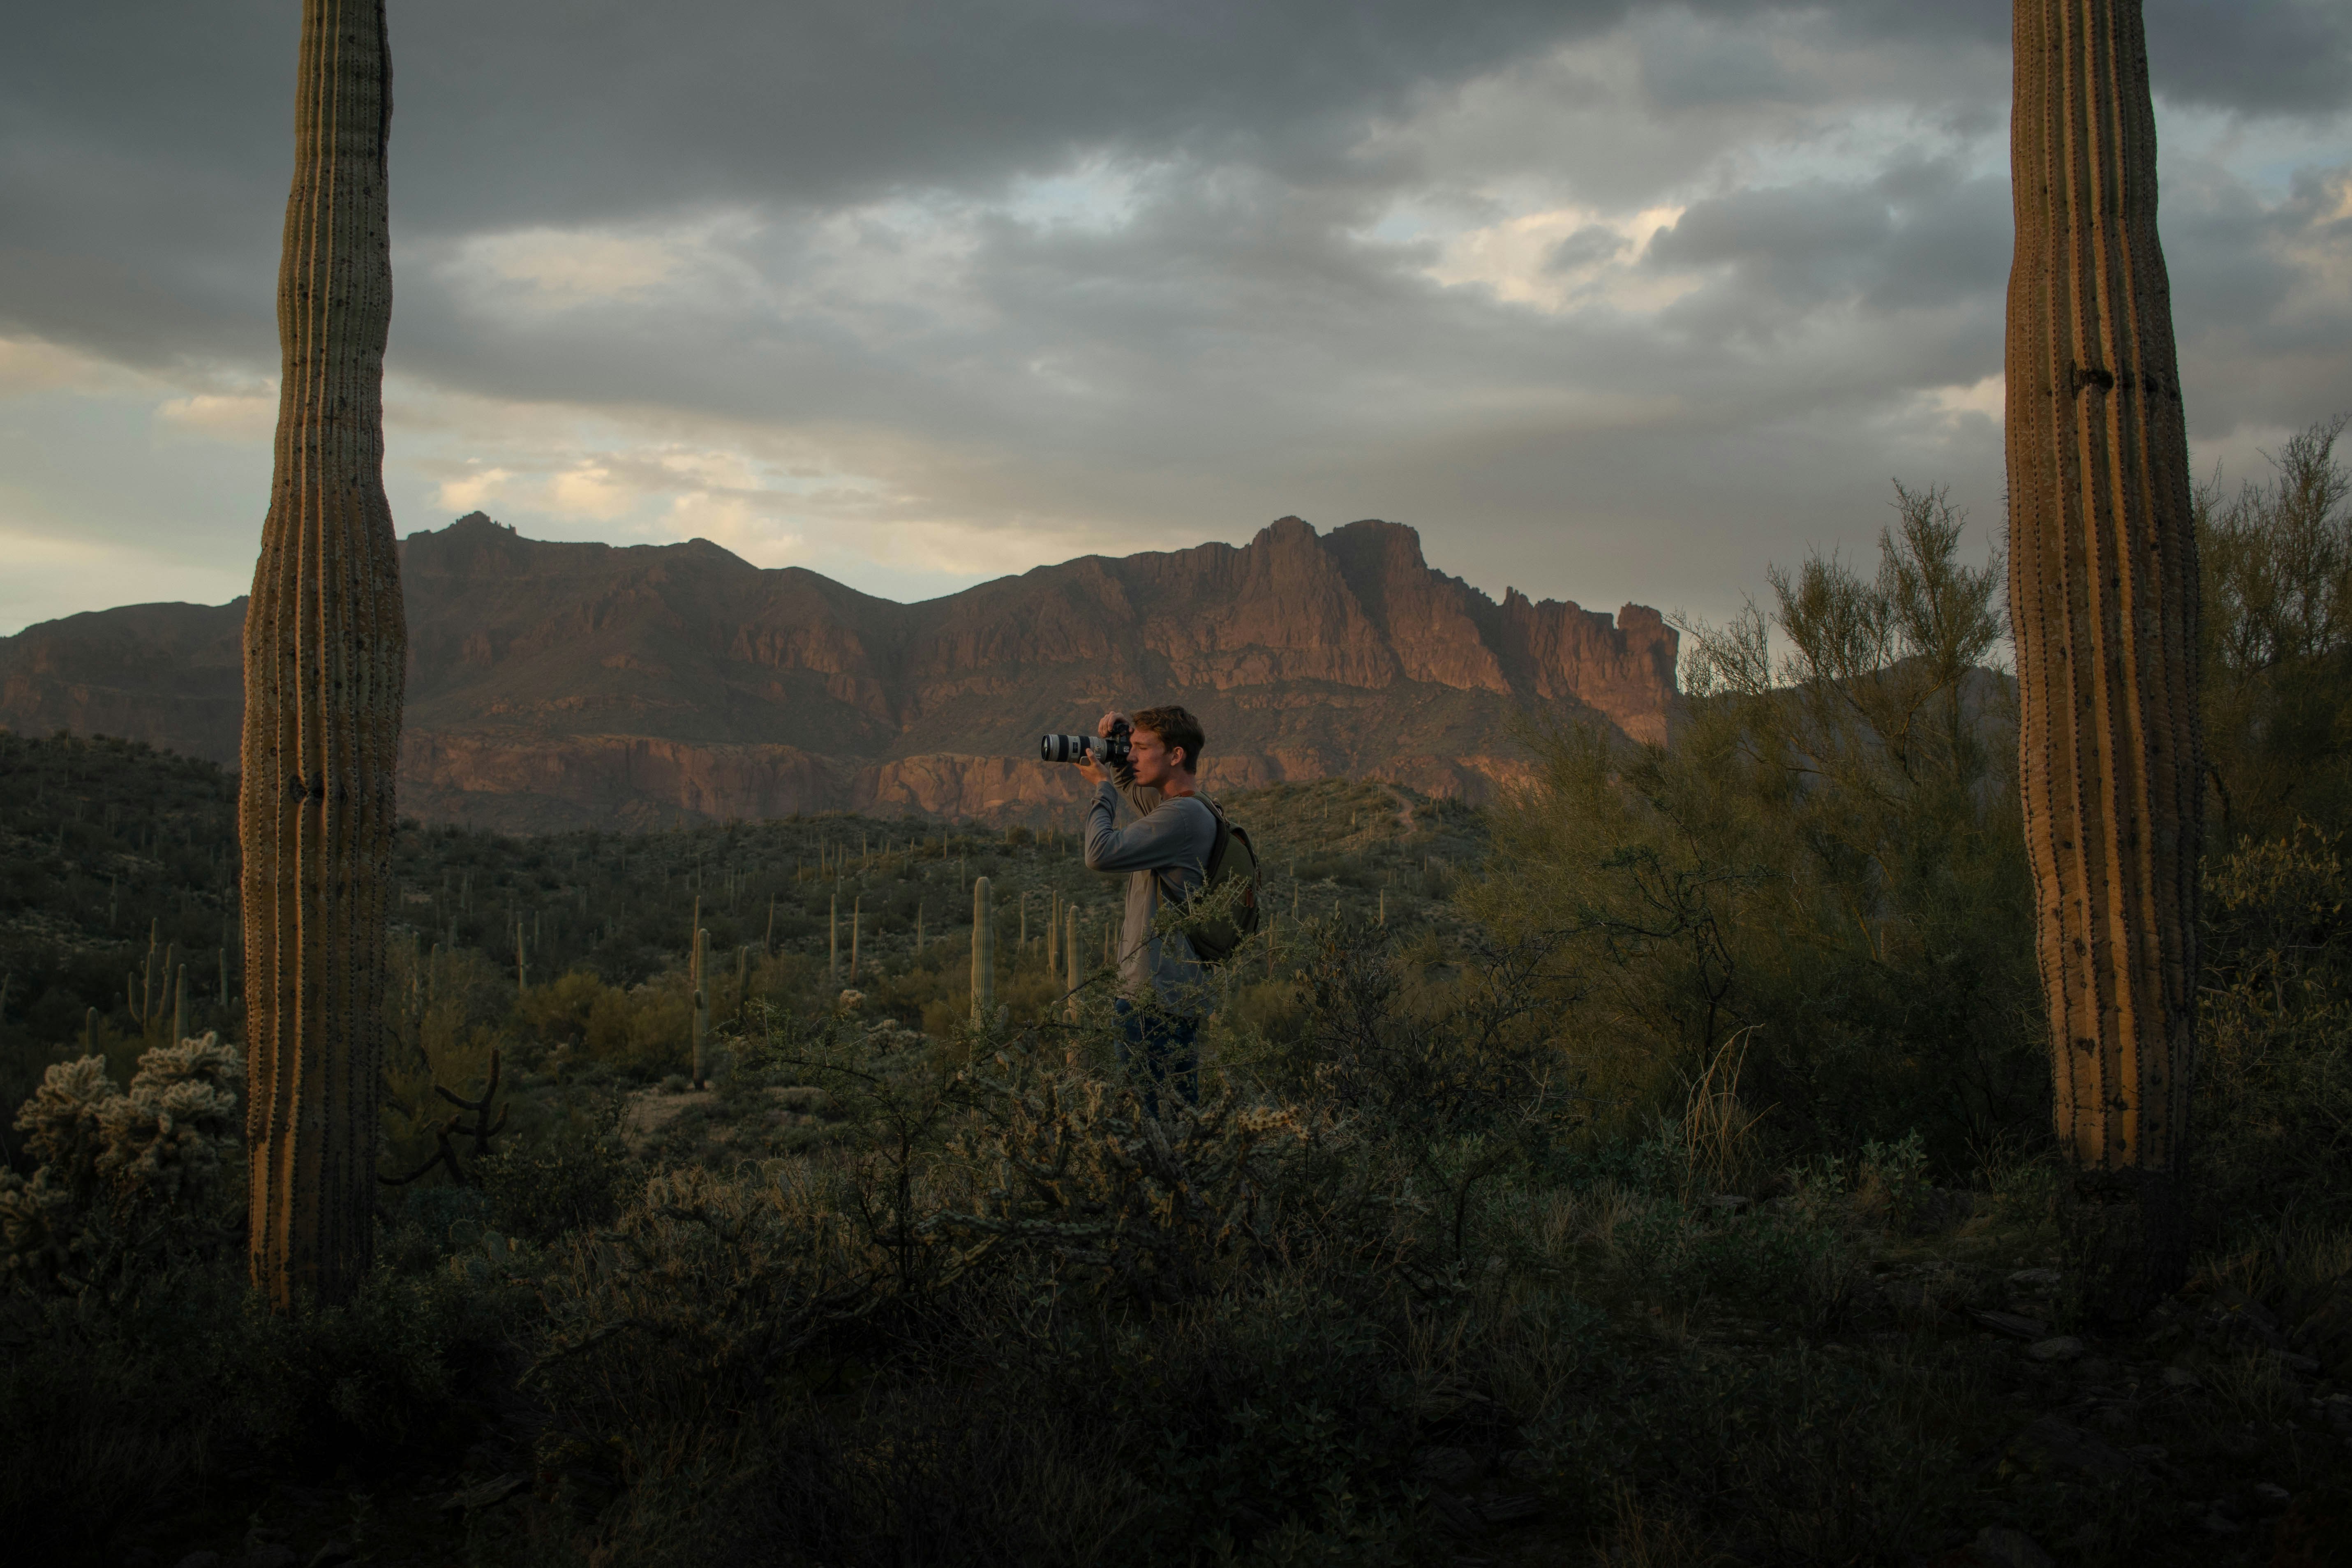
column 325, row 644
column 2103, row 603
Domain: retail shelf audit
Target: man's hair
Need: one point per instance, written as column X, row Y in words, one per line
column 1175, row 728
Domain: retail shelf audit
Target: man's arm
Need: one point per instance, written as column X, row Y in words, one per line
column 1142, row 799
column 1149, row 844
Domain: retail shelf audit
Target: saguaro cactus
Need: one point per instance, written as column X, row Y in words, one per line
column 983, row 954
column 145, row 988
column 2102, row 595
column 325, row 652
column 701, row 964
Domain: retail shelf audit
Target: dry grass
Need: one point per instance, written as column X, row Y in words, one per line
column 1719, row 1147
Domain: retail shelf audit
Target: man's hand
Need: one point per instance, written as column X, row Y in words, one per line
column 1092, row 770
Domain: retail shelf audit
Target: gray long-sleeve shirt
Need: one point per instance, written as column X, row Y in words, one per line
column 1166, row 847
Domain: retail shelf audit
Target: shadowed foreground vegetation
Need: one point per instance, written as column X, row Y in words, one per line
column 1651, row 1170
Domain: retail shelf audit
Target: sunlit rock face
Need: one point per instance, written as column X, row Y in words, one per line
column 555, row 685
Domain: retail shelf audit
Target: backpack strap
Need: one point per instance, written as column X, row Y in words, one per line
column 1215, row 860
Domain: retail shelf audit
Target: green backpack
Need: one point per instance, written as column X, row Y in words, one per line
column 1231, row 859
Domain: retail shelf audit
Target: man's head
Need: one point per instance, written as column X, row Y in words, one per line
column 1167, row 743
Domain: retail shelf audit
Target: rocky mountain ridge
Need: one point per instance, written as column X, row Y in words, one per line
column 560, row 684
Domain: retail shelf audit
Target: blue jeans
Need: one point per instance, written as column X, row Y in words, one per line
column 1166, row 1046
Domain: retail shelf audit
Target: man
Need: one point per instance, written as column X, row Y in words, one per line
column 1165, row 853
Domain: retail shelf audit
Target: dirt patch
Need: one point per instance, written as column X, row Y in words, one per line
column 650, row 1110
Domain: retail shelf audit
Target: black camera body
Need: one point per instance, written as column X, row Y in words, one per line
column 1109, row 750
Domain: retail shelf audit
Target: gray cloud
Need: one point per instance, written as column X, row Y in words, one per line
column 1921, row 233
column 2282, row 57
column 129, row 121
column 1256, row 328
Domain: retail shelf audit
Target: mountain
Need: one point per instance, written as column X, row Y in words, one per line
column 556, row 685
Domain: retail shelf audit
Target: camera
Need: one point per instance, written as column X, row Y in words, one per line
column 1109, row 750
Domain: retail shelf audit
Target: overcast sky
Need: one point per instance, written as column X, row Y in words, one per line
column 1612, row 301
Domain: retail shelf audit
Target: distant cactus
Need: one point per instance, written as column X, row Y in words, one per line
column 984, row 955
column 701, row 981
column 153, row 984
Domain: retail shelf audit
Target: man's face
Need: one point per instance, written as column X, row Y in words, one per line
column 1150, row 759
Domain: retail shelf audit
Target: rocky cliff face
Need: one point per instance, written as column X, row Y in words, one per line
column 170, row 675
column 558, row 684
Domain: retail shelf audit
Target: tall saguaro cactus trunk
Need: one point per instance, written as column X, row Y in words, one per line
column 325, row 647
column 2102, row 594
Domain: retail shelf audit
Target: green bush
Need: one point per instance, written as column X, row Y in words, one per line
column 575, row 1177
column 2274, row 1088
column 1828, row 860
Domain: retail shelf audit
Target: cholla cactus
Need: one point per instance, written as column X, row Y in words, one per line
column 175, row 1133
column 170, row 1145
column 39, row 1227
column 61, row 1126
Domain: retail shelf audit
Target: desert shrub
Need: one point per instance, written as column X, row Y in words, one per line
column 1794, row 1456
column 2274, row 1088
column 1107, row 1196
column 574, row 1176
column 396, row 1367
column 697, row 1296
column 1283, row 1408
column 1452, row 1066
column 112, row 1414
column 2276, row 579
column 124, row 1406
column 645, row 1031
column 559, row 1012
column 1829, row 855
